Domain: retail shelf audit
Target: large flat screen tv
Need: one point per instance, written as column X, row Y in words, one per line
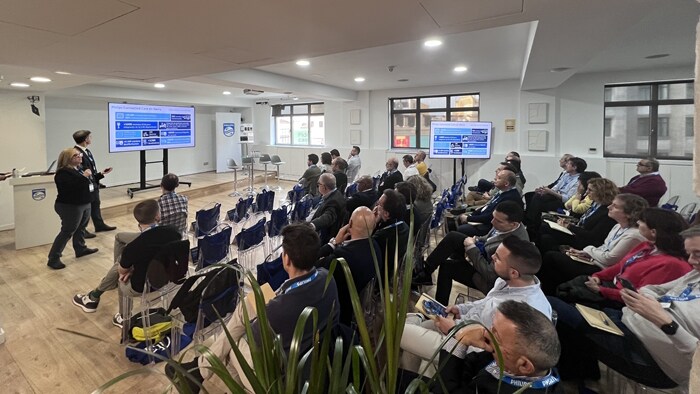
column 134, row 127
column 460, row 140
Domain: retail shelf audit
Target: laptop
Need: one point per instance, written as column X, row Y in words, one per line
column 47, row 172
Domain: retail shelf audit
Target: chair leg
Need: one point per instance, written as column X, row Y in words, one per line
column 235, row 185
column 277, row 187
column 265, row 186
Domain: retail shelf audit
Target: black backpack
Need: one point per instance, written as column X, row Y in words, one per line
column 217, row 291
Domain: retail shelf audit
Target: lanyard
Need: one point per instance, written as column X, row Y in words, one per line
column 620, row 231
column 300, row 283
column 594, row 207
column 633, row 259
column 684, row 296
column 535, row 383
column 392, row 225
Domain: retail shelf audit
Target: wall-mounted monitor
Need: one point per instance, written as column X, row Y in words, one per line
column 135, row 127
column 460, row 140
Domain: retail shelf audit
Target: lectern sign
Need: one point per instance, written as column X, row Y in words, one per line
column 38, row 194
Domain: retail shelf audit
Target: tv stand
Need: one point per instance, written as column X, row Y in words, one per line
column 142, row 179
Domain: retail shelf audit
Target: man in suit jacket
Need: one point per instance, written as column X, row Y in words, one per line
column 328, row 217
column 366, row 196
column 341, row 179
column 310, row 176
column 648, row 184
column 391, row 231
column 505, row 182
column 353, row 244
column 82, row 139
column 391, row 177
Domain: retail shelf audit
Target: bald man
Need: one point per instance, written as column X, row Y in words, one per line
column 331, row 211
column 391, row 177
column 353, row 244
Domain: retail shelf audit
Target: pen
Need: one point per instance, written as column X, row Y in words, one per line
column 605, row 319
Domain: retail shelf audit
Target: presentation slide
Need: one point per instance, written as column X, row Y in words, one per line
column 460, row 140
column 134, row 127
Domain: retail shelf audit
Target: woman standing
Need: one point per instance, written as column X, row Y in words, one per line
column 72, row 206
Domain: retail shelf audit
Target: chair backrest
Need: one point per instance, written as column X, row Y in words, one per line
column 296, row 193
column 207, row 219
column 688, row 210
column 375, row 181
column 264, row 158
column 265, row 201
column 220, row 296
column 350, row 190
column 231, row 164
column 437, row 216
column 271, row 272
column 175, row 258
column 278, row 219
column 249, row 237
column 301, row 210
column 276, row 159
column 247, row 161
column 214, row 247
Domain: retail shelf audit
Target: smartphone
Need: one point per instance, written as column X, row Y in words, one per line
column 627, row 284
column 434, row 308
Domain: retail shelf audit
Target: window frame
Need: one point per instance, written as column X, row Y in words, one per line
column 418, row 111
column 277, row 110
column 653, row 103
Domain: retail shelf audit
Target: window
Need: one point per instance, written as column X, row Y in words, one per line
column 411, row 117
column 299, row 124
column 649, row 119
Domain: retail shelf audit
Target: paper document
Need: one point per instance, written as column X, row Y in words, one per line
column 580, row 259
column 599, row 320
column 556, row 226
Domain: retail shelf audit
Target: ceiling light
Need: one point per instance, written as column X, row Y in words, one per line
column 159, row 85
column 303, row 62
column 402, row 80
column 657, row 56
column 226, row 93
column 432, row 43
column 460, row 69
column 295, row 98
column 63, row 73
column 19, row 85
column 40, row 79
column 559, row 69
column 359, row 79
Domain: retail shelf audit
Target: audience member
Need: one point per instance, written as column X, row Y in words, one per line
column 366, row 196
column 331, row 212
column 72, row 206
column 581, row 201
column 307, row 286
column 649, row 184
column 341, row 179
column 173, row 206
column 409, row 193
column 391, row 176
column 335, row 154
column 660, row 259
column 479, row 221
column 410, row 166
column 354, row 164
column 355, row 244
column 561, row 266
column 562, row 163
column 326, row 162
column 515, row 262
column 419, row 158
column 391, row 232
column 310, row 176
column 423, row 200
column 660, row 326
column 476, row 196
column 133, row 253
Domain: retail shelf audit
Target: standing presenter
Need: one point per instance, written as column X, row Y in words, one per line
column 82, row 139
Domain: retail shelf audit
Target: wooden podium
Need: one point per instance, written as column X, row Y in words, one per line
column 36, row 222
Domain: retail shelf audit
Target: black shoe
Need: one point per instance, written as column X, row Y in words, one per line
column 104, row 227
column 422, row 278
column 473, row 188
column 192, row 368
column 88, row 235
column 57, row 264
column 102, row 186
column 85, row 252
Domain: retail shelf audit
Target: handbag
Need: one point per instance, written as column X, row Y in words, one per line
column 576, row 291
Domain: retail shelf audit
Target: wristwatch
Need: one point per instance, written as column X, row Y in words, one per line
column 670, row 328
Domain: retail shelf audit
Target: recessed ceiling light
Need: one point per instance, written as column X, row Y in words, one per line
column 40, row 79
column 359, row 79
column 657, row 56
column 19, row 85
column 63, row 73
column 432, row 43
column 402, row 80
column 559, row 69
column 295, row 98
column 226, row 93
column 303, row 62
column 159, row 85
column 460, row 69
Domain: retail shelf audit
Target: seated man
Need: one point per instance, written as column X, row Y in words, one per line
column 132, row 254
column 353, row 244
column 530, row 348
column 308, row 179
column 486, row 190
column 515, row 262
column 648, row 184
column 391, row 176
column 305, row 287
column 481, row 218
column 420, row 210
column 331, row 211
column 473, row 265
column 341, row 179
column 410, row 166
column 391, row 231
column 173, row 206
column 366, row 196
column 562, row 163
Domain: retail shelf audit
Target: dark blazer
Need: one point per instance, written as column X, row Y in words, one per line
column 388, row 236
column 330, row 215
column 362, row 199
column 594, row 230
column 89, row 163
column 341, row 181
column 358, row 255
column 73, row 188
column 485, row 214
column 389, row 181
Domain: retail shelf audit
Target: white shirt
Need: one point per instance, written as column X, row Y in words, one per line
column 410, row 170
column 354, row 164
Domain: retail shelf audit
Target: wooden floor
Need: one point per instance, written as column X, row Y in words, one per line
column 35, row 303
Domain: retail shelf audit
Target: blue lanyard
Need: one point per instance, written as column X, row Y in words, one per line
column 392, row 225
column 594, row 207
column 300, row 283
column 617, row 235
column 633, row 259
column 535, row 383
column 684, row 296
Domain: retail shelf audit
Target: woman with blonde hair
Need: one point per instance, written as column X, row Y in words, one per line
column 72, row 206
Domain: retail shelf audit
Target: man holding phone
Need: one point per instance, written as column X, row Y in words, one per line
column 82, row 139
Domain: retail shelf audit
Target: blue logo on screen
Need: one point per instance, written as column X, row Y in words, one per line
column 38, row 194
column 229, row 129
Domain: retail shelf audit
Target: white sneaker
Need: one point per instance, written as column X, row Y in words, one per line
column 117, row 320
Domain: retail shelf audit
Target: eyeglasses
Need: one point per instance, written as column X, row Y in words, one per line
column 77, row 155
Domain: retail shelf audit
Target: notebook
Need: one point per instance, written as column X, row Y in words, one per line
column 558, row 227
column 598, row 319
column 580, row 259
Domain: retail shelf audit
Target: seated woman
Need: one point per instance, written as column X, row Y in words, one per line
column 559, row 266
column 581, row 201
column 660, row 325
column 592, row 226
column 659, row 260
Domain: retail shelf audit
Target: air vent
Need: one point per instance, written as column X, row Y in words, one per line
column 252, row 92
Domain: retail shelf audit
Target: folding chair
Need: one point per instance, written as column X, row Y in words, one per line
column 251, row 245
column 278, row 219
column 206, row 219
column 296, row 194
column 219, row 299
column 301, row 210
column 265, row 201
column 437, row 220
column 671, row 204
column 215, row 247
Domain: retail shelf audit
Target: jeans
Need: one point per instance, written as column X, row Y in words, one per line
column 73, row 218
